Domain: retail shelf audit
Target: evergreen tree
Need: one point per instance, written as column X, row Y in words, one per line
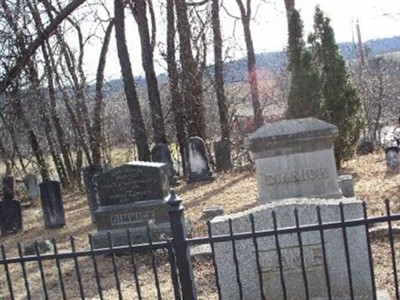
column 303, row 99
column 340, row 103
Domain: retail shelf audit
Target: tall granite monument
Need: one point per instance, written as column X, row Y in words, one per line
column 132, row 196
column 296, row 173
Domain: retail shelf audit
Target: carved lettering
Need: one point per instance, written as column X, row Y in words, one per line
column 131, row 218
column 297, row 175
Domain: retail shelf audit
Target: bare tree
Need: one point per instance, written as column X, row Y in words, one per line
column 129, row 83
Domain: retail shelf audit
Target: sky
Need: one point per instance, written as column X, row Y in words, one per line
column 377, row 19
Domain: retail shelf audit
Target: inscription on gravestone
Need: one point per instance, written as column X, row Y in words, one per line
column 132, row 196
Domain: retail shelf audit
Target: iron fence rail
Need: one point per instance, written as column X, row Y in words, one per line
column 181, row 274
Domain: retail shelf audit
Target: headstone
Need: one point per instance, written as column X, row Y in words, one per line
column 52, row 204
column 364, row 147
column 133, row 196
column 8, row 188
column 294, row 158
column 88, row 174
column 196, row 161
column 392, row 159
column 31, row 184
column 10, row 216
column 346, row 185
column 222, row 150
column 160, row 153
column 212, row 212
column 290, row 253
column 40, row 247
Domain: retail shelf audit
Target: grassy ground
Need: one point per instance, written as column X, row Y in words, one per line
column 234, row 191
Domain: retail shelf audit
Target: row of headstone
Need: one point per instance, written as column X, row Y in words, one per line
column 51, row 202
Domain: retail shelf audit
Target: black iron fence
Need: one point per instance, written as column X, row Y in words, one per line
column 166, row 270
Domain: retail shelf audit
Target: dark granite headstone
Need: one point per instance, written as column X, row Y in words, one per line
column 8, row 188
column 160, row 153
column 31, row 184
column 91, row 188
column 132, row 196
column 364, row 147
column 196, row 161
column 222, row 150
column 52, row 204
column 10, row 216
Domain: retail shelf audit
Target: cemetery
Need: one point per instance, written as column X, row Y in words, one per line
column 292, row 184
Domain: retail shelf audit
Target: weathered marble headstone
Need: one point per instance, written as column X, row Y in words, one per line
column 31, row 184
column 392, row 158
column 346, row 185
column 52, row 204
column 222, row 150
column 8, row 188
column 290, row 253
column 132, row 196
column 196, row 161
column 294, row 158
column 88, row 174
column 160, row 153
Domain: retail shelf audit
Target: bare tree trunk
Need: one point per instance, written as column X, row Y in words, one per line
column 289, row 5
column 129, row 83
column 251, row 62
column 191, row 77
column 219, row 72
column 139, row 11
column 176, row 96
column 96, row 139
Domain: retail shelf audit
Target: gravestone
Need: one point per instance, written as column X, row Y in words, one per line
column 196, row 161
column 133, row 196
column 392, row 158
column 294, row 158
column 290, row 252
column 346, row 185
column 10, row 216
column 8, row 188
column 88, row 174
column 160, row 153
column 31, row 184
column 295, row 169
column 222, row 150
column 52, row 204
column 10, row 208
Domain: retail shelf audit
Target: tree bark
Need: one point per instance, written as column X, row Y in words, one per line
column 191, row 77
column 219, row 72
column 129, row 83
column 139, row 11
column 251, row 62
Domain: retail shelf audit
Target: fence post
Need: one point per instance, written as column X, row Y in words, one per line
column 183, row 260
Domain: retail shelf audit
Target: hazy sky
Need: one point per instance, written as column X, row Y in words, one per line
column 377, row 18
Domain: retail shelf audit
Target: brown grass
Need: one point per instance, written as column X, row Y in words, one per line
column 234, row 191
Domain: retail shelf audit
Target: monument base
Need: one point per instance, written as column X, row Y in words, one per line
column 138, row 235
column 290, row 257
column 197, row 177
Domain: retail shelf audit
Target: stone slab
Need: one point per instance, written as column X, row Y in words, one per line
column 290, row 251
column 131, row 182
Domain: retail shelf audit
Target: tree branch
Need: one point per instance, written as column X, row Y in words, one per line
column 23, row 59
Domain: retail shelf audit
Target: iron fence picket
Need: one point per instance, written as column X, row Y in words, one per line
column 279, row 254
column 214, row 261
column 24, row 274
column 96, row 270
column 8, row 277
column 303, row 265
column 392, row 250
column 346, row 251
column 135, row 274
column 154, row 266
column 57, row 260
column 42, row 276
column 78, row 273
column 114, row 265
column 235, row 260
column 259, row 270
column 370, row 259
column 324, row 256
column 174, row 274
